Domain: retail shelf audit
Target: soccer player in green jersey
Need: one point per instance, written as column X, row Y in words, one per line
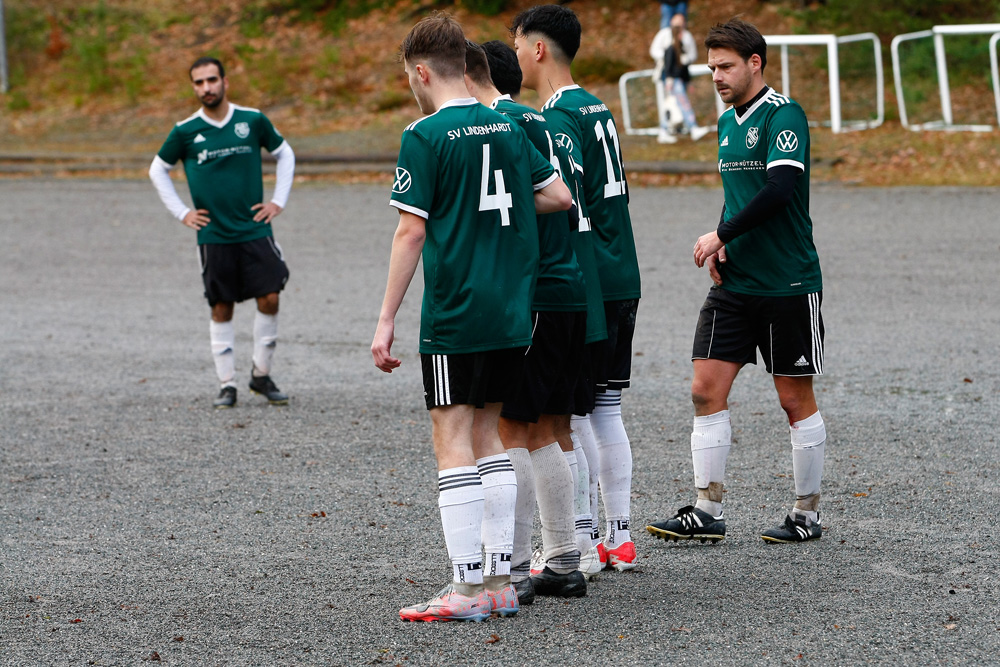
column 547, row 38
column 467, row 187
column 767, row 294
column 535, row 420
column 220, row 148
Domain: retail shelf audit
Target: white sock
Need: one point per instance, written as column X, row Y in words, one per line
column 581, row 505
column 808, row 449
column 524, row 512
column 554, row 489
column 265, row 337
column 499, row 499
column 460, row 497
column 583, row 433
column 615, row 455
column 223, row 338
column 711, row 438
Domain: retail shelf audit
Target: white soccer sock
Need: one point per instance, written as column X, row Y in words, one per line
column 583, row 433
column 524, row 512
column 499, row 500
column 581, row 504
column 265, row 337
column 460, row 497
column 711, row 438
column 615, row 455
column 223, row 338
column 808, row 449
column 554, row 489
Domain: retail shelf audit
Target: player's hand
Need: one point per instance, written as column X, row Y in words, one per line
column 707, row 245
column 713, row 265
column 381, row 347
column 266, row 212
column 196, row 219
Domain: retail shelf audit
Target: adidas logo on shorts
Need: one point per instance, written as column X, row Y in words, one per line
column 802, row 361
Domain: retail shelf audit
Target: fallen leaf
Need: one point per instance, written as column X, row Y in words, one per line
column 969, row 380
column 410, row 581
column 681, row 629
column 861, row 494
column 951, row 626
column 77, row 620
column 178, row 638
column 494, row 638
column 152, row 657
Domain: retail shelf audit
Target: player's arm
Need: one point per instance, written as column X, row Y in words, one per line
column 284, row 175
column 553, row 197
column 773, row 198
column 407, row 245
column 159, row 174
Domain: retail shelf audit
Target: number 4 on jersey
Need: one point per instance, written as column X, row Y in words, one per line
column 501, row 199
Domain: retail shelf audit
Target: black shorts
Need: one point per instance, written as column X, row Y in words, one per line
column 470, row 379
column 585, row 395
column 788, row 331
column 552, row 363
column 234, row 272
column 612, row 358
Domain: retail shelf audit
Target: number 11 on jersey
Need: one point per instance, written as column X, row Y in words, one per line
column 501, row 200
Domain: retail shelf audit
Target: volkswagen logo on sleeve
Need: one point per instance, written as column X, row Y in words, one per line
column 753, row 133
column 787, row 141
column 402, row 182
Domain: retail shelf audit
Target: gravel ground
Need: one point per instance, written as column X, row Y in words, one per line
column 139, row 525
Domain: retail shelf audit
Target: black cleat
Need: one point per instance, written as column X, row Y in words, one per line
column 264, row 386
column 226, row 399
column 690, row 523
column 525, row 591
column 797, row 529
column 572, row 585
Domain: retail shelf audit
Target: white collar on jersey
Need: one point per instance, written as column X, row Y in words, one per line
column 756, row 105
column 559, row 92
column 217, row 123
column 494, row 103
column 459, row 102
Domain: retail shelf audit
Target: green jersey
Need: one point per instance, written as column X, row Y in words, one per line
column 463, row 170
column 777, row 257
column 605, row 189
column 560, row 284
column 222, row 164
column 566, row 135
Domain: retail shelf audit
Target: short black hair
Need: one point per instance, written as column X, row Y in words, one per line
column 557, row 23
column 477, row 66
column 207, row 60
column 741, row 37
column 504, row 68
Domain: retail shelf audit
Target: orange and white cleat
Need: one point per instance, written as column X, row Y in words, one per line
column 449, row 605
column 620, row 558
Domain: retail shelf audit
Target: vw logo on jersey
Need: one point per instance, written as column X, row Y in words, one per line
column 242, row 130
column 787, row 141
column 402, row 182
column 753, row 134
column 563, row 141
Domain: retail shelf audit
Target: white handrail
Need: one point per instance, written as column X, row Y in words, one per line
column 831, row 42
column 995, row 72
column 937, row 33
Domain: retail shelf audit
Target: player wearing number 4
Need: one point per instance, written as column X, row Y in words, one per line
column 467, row 186
column 768, row 289
column 547, row 38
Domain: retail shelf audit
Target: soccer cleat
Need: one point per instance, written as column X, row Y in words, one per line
column 698, row 132
column 449, row 605
column 226, row 398
column 525, row 591
column 504, row 601
column 537, row 562
column 591, row 562
column 571, row 585
column 622, row 557
column 665, row 137
column 797, row 529
column 690, row 523
column 264, row 386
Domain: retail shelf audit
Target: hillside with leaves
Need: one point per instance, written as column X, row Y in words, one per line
column 95, row 75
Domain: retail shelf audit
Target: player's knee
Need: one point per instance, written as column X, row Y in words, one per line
column 268, row 304
column 703, row 396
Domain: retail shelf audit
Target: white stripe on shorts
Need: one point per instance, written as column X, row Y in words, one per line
column 442, row 385
column 817, row 339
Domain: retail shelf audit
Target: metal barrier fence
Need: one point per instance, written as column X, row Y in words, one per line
column 832, row 43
